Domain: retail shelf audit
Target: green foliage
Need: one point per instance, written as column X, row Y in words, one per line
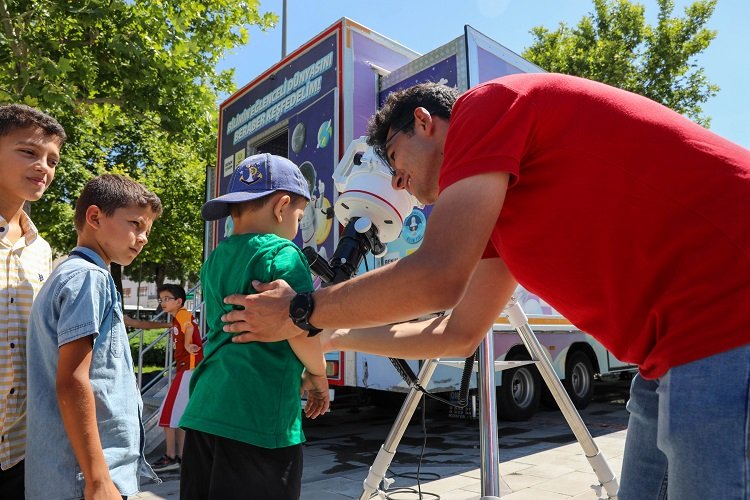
column 615, row 45
column 135, row 86
column 154, row 356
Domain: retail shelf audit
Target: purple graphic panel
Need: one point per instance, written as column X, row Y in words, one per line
column 254, row 115
column 311, row 146
column 492, row 66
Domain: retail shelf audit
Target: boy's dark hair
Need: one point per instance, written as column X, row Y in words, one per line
column 176, row 290
column 399, row 107
column 110, row 192
column 19, row 116
column 258, row 203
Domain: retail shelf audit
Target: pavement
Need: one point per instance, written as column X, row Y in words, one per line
column 539, row 458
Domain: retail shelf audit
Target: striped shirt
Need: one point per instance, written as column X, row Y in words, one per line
column 25, row 265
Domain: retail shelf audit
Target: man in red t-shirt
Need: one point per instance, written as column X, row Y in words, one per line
column 626, row 217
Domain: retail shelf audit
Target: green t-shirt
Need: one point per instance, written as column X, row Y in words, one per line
column 247, row 392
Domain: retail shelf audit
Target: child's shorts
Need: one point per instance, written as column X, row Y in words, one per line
column 174, row 404
column 214, row 467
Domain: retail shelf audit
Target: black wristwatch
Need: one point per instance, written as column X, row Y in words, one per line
column 300, row 309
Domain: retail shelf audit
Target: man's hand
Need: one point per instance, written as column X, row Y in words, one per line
column 318, row 398
column 265, row 316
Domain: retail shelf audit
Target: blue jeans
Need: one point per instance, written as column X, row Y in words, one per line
column 689, row 432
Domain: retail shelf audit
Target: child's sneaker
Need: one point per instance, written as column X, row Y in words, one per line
column 166, row 463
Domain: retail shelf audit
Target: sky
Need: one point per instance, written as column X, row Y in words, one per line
column 423, row 25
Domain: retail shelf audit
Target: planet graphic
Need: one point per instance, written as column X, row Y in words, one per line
column 298, row 137
column 325, row 132
column 323, row 224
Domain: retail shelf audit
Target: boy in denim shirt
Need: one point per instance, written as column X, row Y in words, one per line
column 85, row 436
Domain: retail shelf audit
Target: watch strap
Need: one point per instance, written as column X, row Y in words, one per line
column 300, row 310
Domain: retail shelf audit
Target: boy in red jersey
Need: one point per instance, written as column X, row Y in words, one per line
column 188, row 352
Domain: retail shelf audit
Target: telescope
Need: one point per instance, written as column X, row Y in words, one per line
column 368, row 207
column 373, row 215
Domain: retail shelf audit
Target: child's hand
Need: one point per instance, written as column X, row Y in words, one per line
column 105, row 490
column 318, row 399
column 192, row 348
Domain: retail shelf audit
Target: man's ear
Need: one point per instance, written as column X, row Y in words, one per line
column 422, row 120
column 280, row 205
column 94, row 216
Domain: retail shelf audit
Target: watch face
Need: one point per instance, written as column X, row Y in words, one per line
column 298, row 313
column 300, row 307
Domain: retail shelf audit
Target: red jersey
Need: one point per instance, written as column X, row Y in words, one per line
column 626, row 217
column 185, row 360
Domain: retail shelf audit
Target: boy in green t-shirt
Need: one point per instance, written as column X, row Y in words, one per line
column 243, row 420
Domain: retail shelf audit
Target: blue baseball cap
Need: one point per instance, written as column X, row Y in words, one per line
column 257, row 176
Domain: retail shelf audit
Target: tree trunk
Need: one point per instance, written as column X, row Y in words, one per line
column 161, row 275
column 116, row 270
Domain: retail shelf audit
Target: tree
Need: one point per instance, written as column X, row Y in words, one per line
column 135, row 85
column 615, row 45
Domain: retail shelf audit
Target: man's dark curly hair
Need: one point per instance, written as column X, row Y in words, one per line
column 399, row 108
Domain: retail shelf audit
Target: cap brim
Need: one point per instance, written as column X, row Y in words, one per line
column 218, row 208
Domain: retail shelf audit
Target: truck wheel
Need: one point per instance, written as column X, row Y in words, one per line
column 579, row 379
column 518, row 397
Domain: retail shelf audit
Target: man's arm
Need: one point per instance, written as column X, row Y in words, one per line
column 78, row 410
column 457, row 334
column 432, row 279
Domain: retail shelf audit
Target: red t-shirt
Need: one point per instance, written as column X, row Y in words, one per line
column 185, row 360
column 628, row 218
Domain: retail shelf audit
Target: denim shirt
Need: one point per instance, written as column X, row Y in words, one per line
column 78, row 300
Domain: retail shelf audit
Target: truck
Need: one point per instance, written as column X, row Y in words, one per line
column 309, row 107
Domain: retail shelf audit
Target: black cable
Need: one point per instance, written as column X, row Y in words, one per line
column 463, row 394
column 418, row 491
column 403, row 369
column 407, row 374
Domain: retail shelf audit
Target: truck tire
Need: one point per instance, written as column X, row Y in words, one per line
column 518, row 397
column 579, row 379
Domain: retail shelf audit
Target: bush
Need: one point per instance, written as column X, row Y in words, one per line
column 155, row 355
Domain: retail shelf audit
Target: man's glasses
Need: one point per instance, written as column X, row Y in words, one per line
column 382, row 151
column 165, row 299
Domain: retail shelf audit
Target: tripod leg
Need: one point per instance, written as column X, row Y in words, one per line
column 490, row 461
column 388, row 448
column 598, row 462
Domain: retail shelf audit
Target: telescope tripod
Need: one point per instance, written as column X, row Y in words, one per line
column 489, row 464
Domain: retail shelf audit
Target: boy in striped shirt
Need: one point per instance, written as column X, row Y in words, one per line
column 30, row 143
